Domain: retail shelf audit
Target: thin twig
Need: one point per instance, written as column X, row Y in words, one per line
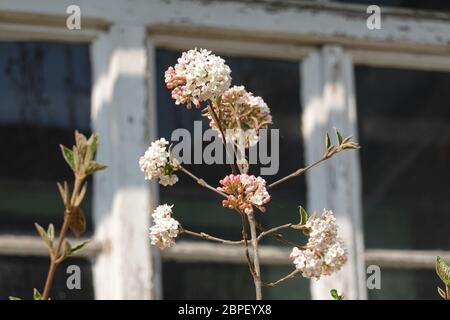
column 297, row 172
column 206, row 236
column 278, row 237
column 286, row 277
column 329, row 154
column 273, row 230
column 201, row 182
column 56, row 258
column 215, row 118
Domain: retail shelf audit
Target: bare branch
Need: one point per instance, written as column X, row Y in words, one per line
column 286, row 277
column 206, row 236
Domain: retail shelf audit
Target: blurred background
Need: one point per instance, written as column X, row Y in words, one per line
column 315, row 63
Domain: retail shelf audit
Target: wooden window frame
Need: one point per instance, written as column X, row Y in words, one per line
column 319, row 34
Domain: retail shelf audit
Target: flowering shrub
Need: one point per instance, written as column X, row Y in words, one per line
column 165, row 228
column 324, row 253
column 244, row 192
column 199, row 77
column 156, row 163
column 242, row 115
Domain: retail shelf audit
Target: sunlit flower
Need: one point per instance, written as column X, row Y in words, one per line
column 242, row 116
column 324, row 253
column 156, row 163
column 165, row 228
column 244, row 192
column 197, row 77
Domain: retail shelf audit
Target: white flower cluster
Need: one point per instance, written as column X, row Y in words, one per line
column 242, row 115
column 165, row 228
column 198, row 76
column 155, row 163
column 325, row 252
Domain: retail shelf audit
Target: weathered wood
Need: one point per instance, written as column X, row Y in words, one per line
column 304, row 22
column 194, row 252
column 32, row 246
column 121, row 195
column 328, row 101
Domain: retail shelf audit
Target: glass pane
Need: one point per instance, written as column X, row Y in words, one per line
column 199, row 209
column 411, row 4
column 404, row 123
column 45, row 90
column 19, row 275
column 226, row 281
column 407, row 285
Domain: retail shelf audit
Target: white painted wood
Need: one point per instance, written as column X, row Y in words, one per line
column 190, row 251
column 328, row 101
column 121, row 195
column 301, row 22
column 26, row 246
column 404, row 60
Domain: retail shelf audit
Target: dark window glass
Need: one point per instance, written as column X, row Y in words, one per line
column 227, row 281
column 404, row 123
column 19, row 275
column 199, row 209
column 411, row 4
column 45, row 96
column 407, row 285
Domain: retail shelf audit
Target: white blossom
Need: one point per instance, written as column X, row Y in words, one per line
column 165, row 228
column 155, row 163
column 197, row 77
column 242, row 116
column 324, row 253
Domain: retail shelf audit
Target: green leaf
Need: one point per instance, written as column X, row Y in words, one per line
column 64, row 192
column 37, row 295
column 338, row 137
column 79, row 247
column 327, row 141
column 68, row 156
column 94, row 167
column 69, row 250
column 51, row 232
column 77, row 222
column 81, row 195
column 43, row 234
column 303, row 215
column 335, row 295
column 442, row 293
column 93, row 145
column 443, row 270
column 347, row 139
column 14, row 298
column 80, row 139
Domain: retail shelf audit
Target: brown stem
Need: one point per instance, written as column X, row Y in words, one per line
column 201, row 182
column 56, row 258
column 244, row 238
column 215, row 118
column 257, row 276
column 447, row 291
column 277, row 237
column 270, row 231
column 297, row 172
column 209, row 237
column 286, row 277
